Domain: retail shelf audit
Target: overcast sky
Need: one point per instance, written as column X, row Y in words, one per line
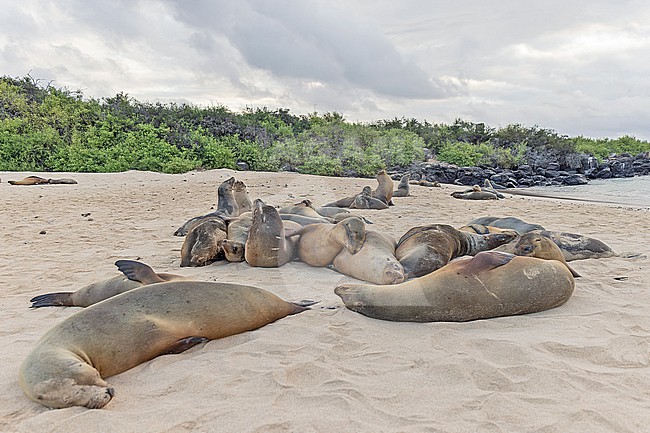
column 577, row 67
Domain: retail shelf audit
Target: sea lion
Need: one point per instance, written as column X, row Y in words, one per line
column 480, row 229
column 36, row 180
column 96, row 292
column 267, row 245
column 344, row 202
column 475, row 193
column 512, row 223
column 375, row 262
column 234, row 246
column 234, row 251
column 424, row 249
column 304, row 220
column 490, row 284
column 241, row 197
column 319, row 244
column 303, row 208
column 578, row 247
column 426, row 183
column 403, row 188
column 365, row 200
column 384, row 191
column 226, row 207
column 330, row 211
column 202, row 244
column 535, row 244
column 69, row 363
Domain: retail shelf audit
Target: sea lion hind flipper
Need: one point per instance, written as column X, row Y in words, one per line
column 573, row 271
column 138, row 271
column 302, row 305
column 59, row 299
column 184, row 344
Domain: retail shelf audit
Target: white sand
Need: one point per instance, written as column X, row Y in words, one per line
column 581, row 367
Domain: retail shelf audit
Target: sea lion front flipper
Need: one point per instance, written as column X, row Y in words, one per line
column 138, row 271
column 59, row 299
column 486, row 260
column 185, row 343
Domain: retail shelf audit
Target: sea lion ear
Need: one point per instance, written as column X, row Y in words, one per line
column 138, row 271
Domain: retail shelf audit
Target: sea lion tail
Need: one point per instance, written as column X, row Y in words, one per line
column 302, row 305
column 59, row 299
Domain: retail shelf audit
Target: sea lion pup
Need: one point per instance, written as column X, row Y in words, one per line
column 403, row 189
column 365, row 200
column 241, row 197
column 475, row 193
column 68, row 364
column 375, row 262
column 512, row 223
column 424, row 249
column 226, row 207
column 384, row 191
column 96, row 292
column 37, row 180
column 202, row 244
column 490, row 284
column 319, row 244
column 266, row 245
column 534, row 244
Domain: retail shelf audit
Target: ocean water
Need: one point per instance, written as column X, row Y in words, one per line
column 630, row 191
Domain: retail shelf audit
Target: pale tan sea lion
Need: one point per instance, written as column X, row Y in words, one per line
column 424, row 182
column 202, row 244
column 68, row 365
column 330, row 211
column 534, row 244
column 234, row 246
column 303, row 208
column 319, row 244
column 226, row 207
column 577, row 247
column 375, row 262
column 241, row 197
column 36, row 180
column 344, row 202
column 96, row 292
column 475, row 193
column 424, row 249
column 384, row 191
column 512, row 223
column 304, row 220
column 491, row 284
column 267, row 245
column 365, row 200
column 480, row 229
column 403, row 188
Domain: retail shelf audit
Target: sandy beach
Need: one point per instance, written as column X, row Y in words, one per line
column 581, row 367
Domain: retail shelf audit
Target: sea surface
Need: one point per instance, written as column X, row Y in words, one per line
column 630, row 191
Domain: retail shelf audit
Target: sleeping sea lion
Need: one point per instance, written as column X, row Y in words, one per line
column 403, row 188
column 303, row 208
column 266, row 245
column 69, row 363
column 424, row 249
column 511, row 223
column 534, row 244
column 490, row 284
column 202, row 244
column 375, row 262
column 319, row 244
column 36, row 180
column 578, row 247
column 330, row 211
column 96, row 292
column 475, row 193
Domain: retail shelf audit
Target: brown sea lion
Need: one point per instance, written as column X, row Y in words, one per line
column 480, row 229
column 365, row 200
column 344, row 202
column 534, row 244
column 69, row 363
column 304, row 208
column 96, row 292
column 403, row 188
column 330, row 211
column 384, row 191
column 491, row 284
column 475, row 193
column 36, row 180
column 241, row 197
column 234, row 246
column 577, row 247
column 202, row 244
column 424, row 249
column 425, row 182
column 319, row 244
column 226, row 207
column 375, row 262
column 266, row 245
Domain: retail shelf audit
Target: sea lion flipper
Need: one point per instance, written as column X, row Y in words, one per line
column 486, row 260
column 573, row 271
column 138, row 271
column 302, row 305
column 52, row 300
column 185, row 343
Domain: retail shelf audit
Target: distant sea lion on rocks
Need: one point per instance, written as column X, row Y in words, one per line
column 384, row 191
column 424, row 249
column 319, row 244
column 475, row 193
column 68, row 365
column 512, row 223
column 403, row 188
column 241, row 197
column 365, row 200
column 491, row 284
column 98, row 291
column 534, row 244
column 375, row 262
column 36, row 180
column 226, row 207
column 267, row 245
column 202, row 244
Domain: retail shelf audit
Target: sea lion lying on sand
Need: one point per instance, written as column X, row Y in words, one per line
column 36, row 180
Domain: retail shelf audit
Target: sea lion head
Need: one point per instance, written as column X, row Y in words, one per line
column 233, row 250
column 355, row 234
